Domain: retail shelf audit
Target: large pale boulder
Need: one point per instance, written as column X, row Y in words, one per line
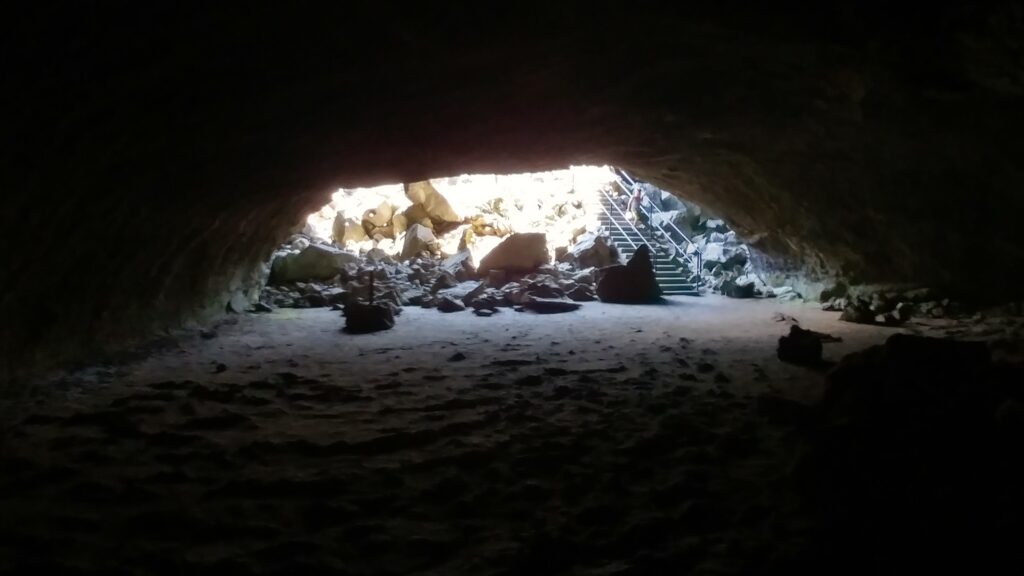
column 352, row 232
column 593, row 251
column 338, row 229
column 417, row 214
column 436, row 206
column 633, row 283
column 519, row 253
column 377, row 221
column 315, row 262
column 399, row 224
column 418, row 239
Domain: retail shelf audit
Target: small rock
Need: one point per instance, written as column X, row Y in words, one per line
column 260, row 307
column 220, row 367
column 705, row 367
column 780, row 317
column 207, row 334
column 457, row 357
column 549, row 306
column 483, row 312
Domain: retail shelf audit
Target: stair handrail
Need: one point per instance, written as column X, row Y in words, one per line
column 611, row 201
column 696, row 257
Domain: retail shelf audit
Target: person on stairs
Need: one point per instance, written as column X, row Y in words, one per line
column 633, row 209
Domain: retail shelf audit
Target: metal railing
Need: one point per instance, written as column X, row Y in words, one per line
column 695, row 258
column 612, row 219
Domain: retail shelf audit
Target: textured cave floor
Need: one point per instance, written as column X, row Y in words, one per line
column 612, row 440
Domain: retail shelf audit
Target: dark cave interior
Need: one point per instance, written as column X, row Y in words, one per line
column 155, row 157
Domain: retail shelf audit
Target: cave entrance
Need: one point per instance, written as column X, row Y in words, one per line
column 546, row 241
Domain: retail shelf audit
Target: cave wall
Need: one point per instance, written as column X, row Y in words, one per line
column 155, row 156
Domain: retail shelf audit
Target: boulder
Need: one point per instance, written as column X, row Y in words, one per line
column 462, row 289
column 519, row 253
column 735, row 289
column 338, row 229
column 582, row 293
column 542, row 286
column 399, row 224
column 632, row 283
column 858, row 312
column 585, row 276
column 837, row 304
column 713, row 254
column 800, row 347
column 593, row 251
column 496, row 278
column 435, row 206
column 352, row 231
column 418, row 239
column 460, row 265
column 444, row 280
column 377, row 221
column 449, row 304
column 715, row 225
column 549, row 305
column 362, row 318
column 417, row 214
column 315, row 262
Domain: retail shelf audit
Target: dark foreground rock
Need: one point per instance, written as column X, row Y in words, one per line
column 915, row 464
column 800, row 347
column 363, row 318
column 633, row 283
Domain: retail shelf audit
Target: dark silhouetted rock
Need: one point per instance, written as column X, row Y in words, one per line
column 363, row 318
column 733, row 289
column 633, row 283
column 801, row 347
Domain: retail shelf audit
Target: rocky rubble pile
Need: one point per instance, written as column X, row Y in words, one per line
column 726, row 265
column 518, row 274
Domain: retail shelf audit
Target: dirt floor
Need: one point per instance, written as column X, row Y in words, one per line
column 611, row 440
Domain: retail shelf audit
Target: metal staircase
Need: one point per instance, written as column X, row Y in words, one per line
column 672, row 264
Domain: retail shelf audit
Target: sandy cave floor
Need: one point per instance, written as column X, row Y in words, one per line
column 616, row 439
